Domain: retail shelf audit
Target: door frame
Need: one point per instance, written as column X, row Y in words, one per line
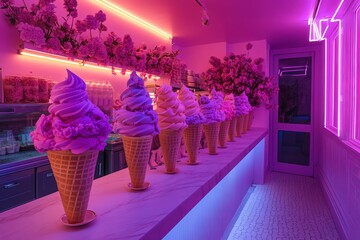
column 275, row 126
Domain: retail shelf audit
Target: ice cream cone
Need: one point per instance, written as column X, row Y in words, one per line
column 170, row 145
column 238, row 126
column 250, row 121
column 243, row 123
column 224, row 129
column 232, row 129
column 74, row 174
column 192, row 137
column 212, row 134
column 137, row 153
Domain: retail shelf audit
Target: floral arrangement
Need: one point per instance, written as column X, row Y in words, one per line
column 85, row 39
column 239, row 73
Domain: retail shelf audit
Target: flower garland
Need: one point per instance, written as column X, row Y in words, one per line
column 239, row 73
column 84, row 39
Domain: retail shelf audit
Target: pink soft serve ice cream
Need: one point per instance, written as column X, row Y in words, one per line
column 169, row 109
column 229, row 106
column 74, row 123
column 136, row 117
column 192, row 109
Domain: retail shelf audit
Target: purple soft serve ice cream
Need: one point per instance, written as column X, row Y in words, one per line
column 245, row 105
column 237, row 101
column 192, row 109
column 218, row 98
column 208, row 109
column 74, row 123
column 229, row 106
column 136, row 117
column 170, row 109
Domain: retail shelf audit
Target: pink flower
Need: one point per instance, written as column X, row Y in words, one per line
column 91, row 22
column 100, row 16
column 32, row 34
column 80, row 26
column 249, row 46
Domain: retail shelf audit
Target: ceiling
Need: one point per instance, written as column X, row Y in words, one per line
column 283, row 23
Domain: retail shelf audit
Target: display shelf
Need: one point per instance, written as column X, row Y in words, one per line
column 22, row 160
column 10, row 110
column 151, row 214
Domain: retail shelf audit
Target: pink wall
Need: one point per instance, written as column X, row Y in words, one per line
column 260, row 49
column 14, row 64
column 197, row 59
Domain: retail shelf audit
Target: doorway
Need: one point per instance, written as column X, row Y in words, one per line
column 291, row 128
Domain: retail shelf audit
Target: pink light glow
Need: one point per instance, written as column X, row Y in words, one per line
column 61, row 59
column 132, row 18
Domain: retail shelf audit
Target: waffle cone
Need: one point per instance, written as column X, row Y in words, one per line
column 246, row 121
column 232, row 129
column 212, row 133
column 192, row 136
column 170, row 141
column 137, row 153
column 250, row 121
column 224, row 129
column 74, row 174
column 242, row 122
column 238, row 126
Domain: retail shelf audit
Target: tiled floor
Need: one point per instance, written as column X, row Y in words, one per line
column 285, row 207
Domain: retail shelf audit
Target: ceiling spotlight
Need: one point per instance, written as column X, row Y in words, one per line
column 204, row 15
column 205, row 18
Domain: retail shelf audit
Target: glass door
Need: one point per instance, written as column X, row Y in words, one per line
column 291, row 121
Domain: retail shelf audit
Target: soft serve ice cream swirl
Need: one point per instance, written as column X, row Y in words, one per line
column 170, row 109
column 238, row 111
column 245, row 105
column 218, row 98
column 208, row 109
column 192, row 109
column 74, row 123
column 229, row 106
column 136, row 117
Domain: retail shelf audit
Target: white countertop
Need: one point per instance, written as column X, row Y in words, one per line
column 125, row 214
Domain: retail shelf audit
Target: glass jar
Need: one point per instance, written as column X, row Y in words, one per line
column 31, row 89
column 43, row 90
column 13, row 89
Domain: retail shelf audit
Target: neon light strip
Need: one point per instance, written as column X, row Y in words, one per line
column 356, row 90
column 339, row 78
column 323, row 32
column 326, row 78
column 57, row 58
column 339, row 64
column 129, row 16
column 314, row 34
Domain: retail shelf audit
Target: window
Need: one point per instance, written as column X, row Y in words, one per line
column 356, row 105
column 332, row 80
